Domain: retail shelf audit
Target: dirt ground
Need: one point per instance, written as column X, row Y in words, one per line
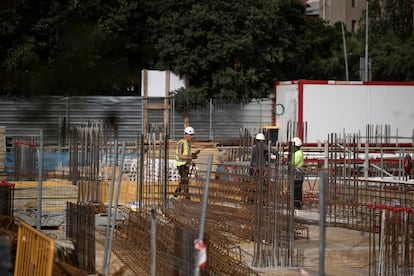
column 346, row 253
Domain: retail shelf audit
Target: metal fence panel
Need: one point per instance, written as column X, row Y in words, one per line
column 56, row 115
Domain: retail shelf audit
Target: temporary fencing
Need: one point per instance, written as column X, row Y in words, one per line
column 35, row 252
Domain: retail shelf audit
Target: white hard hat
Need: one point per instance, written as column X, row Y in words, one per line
column 189, row 130
column 260, row 137
column 297, row 141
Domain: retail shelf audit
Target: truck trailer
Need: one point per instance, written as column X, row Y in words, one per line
column 314, row 109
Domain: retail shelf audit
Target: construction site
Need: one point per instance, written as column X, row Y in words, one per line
column 111, row 210
column 88, row 185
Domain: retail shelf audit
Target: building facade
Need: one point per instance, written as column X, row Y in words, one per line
column 332, row 11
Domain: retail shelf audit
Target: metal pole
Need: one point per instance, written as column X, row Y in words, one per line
column 366, row 42
column 108, row 223
column 345, row 53
column 326, row 154
column 114, row 213
column 366, row 162
column 141, row 172
column 40, row 183
column 291, row 172
column 322, row 215
column 153, row 240
column 211, row 119
column 203, row 211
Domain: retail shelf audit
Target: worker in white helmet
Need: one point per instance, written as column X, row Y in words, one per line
column 259, row 155
column 298, row 161
column 183, row 160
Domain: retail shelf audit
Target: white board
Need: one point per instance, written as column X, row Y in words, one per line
column 348, row 108
column 156, row 84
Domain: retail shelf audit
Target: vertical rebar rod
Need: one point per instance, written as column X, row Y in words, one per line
column 381, row 245
column 322, row 216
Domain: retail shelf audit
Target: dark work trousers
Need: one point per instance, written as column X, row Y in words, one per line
column 183, row 171
column 298, row 192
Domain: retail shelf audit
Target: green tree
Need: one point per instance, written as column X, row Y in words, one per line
column 229, row 49
column 71, row 47
column 235, row 50
column 391, row 39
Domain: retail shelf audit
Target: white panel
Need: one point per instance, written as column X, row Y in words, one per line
column 156, row 83
column 333, row 109
column 349, row 108
column 286, row 107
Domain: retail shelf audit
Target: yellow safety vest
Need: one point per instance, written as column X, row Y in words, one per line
column 298, row 159
column 186, row 152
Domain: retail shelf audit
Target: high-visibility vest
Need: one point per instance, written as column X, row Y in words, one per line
column 186, row 152
column 298, row 159
column 298, row 162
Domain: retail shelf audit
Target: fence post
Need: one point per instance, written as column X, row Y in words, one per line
column 322, row 215
column 203, row 215
column 40, row 183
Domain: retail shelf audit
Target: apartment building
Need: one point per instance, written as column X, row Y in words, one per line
column 332, row 11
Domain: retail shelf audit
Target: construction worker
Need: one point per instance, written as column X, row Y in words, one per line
column 298, row 161
column 183, row 160
column 260, row 150
column 258, row 164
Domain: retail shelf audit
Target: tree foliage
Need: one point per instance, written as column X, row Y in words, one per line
column 231, row 50
column 70, row 47
column 235, row 50
column 391, row 39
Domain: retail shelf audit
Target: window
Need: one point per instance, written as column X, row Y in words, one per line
column 353, row 27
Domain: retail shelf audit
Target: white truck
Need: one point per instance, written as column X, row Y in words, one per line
column 312, row 109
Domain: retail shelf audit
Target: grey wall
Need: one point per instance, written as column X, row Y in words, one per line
column 55, row 115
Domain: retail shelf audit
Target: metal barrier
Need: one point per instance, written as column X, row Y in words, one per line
column 35, row 252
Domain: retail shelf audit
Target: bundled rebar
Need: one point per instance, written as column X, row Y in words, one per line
column 81, row 229
column 391, row 236
column 6, row 198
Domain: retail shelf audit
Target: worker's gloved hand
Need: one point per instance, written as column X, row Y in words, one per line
column 194, row 156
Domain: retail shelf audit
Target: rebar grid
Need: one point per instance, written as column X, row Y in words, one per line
column 242, row 208
column 369, row 191
column 232, row 218
column 175, row 248
column 80, row 228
